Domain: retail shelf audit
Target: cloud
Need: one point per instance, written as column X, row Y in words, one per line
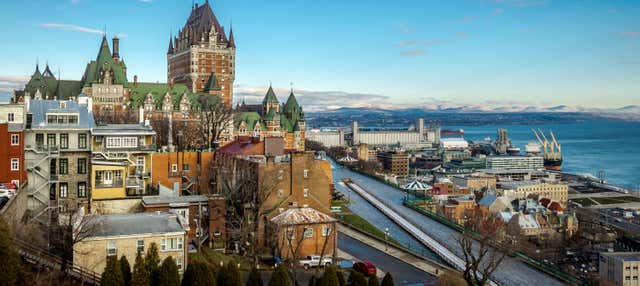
column 73, row 28
column 145, row 1
column 498, row 11
column 9, row 83
column 410, row 43
column 629, row 34
column 413, row 53
column 312, row 101
column 521, row 3
column 404, row 28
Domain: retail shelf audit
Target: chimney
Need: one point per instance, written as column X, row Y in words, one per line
column 171, row 83
column 135, row 80
column 90, row 104
column 116, row 49
column 141, row 115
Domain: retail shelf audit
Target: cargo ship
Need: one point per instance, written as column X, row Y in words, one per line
column 551, row 150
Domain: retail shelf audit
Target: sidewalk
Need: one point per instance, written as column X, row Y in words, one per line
column 346, row 256
column 422, row 264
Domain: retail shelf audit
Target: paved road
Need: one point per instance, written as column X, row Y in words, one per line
column 598, row 195
column 403, row 273
column 510, row 272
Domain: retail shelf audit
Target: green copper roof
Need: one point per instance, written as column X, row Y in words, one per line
column 292, row 109
column 270, row 97
column 138, row 93
column 104, row 61
column 50, row 87
column 249, row 118
column 272, row 115
column 212, row 84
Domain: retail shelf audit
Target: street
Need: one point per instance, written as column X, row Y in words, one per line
column 403, row 273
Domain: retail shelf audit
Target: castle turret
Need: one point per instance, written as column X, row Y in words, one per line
column 116, row 49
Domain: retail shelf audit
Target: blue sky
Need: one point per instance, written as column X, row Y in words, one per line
column 360, row 53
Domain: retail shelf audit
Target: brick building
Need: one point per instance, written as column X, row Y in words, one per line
column 201, row 56
column 289, row 180
column 394, row 162
column 12, row 154
column 190, row 170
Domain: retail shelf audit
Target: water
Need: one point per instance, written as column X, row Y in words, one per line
column 587, row 147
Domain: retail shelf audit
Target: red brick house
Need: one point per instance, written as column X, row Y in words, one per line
column 12, row 154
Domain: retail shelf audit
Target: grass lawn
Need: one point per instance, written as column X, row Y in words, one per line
column 215, row 257
column 347, row 217
column 585, row 202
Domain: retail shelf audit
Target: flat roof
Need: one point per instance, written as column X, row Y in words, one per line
column 515, row 184
column 133, row 224
column 151, row 200
column 123, row 129
column 624, row 256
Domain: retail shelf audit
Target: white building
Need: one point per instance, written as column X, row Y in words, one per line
column 619, row 268
column 515, row 162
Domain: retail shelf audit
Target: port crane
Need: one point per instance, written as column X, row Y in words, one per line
column 551, row 149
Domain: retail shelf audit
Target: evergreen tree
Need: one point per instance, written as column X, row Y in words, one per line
column 168, row 273
column 140, row 275
column 314, row 281
column 254, row 278
column 280, row 277
column 112, row 275
column 233, row 277
column 373, row 281
column 125, row 268
column 8, row 256
column 387, row 280
column 341, row 280
column 152, row 262
column 357, row 279
column 199, row 273
column 330, row 277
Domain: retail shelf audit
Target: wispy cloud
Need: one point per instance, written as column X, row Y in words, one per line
column 413, row 53
column 629, row 34
column 73, row 28
column 9, row 83
column 521, row 3
column 405, row 28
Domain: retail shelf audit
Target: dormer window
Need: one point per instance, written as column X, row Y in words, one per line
column 62, row 105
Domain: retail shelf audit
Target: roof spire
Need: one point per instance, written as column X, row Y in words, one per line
column 170, row 50
column 232, row 42
column 37, row 64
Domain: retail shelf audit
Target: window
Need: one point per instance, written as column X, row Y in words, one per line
column 627, row 268
column 122, row 142
column 39, row 139
column 82, row 165
column 15, row 164
column 306, row 173
column 73, row 119
column 140, row 245
column 305, row 192
column 280, row 193
column 11, row 117
column 179, row 263
column 52, row 191
column 82, row 190
column 326, row 231
column 15, row 139
column 185, row 167
column 64, row 190
column 82, row 141
column 111, row 248
column 51, row 140
column 174, row 168
column 308, row 232
column 52, row 119
column 175, row 243
column 64, row 166
column 140, row 164
column 64, row 141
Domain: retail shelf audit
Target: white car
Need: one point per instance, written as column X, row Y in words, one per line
column 314, row 261
column 6, row 193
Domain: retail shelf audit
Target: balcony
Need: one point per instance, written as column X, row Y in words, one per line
column 135, row 192
column 139, row 148
column 115, row 183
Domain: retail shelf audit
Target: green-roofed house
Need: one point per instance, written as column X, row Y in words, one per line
column 270, row 119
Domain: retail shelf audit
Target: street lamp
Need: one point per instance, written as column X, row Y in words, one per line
column 386, row 239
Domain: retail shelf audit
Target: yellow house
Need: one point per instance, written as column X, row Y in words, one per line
column 126, row 234
column 121, row 161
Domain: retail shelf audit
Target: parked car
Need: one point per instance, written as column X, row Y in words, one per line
column 6, row 193
column 3, row 201
column 270, row 260
column 314, row 261
column 365, row 267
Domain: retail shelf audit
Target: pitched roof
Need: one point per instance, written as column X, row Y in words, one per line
column 212, row 84
column 297, row 216
column 249, row 118
column 139, row 91
column 200, row 23
column 270, row 97
column 105, row 61
column 40, row 108
column 232, row 42
column 243, row 146
column 133, row 224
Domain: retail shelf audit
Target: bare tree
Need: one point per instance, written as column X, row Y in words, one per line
column 482, row 255
column 215, row 119
column 293, row 241
column 74, row 226
column 161, row 126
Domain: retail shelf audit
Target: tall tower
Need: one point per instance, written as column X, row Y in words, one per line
column 200, row 51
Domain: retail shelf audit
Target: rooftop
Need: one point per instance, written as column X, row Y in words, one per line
column 123, row 129
column 134, row 224
column 40, row 108
column 295, row 216
column 624, row 256
column 151, row 200
column 517, row 184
